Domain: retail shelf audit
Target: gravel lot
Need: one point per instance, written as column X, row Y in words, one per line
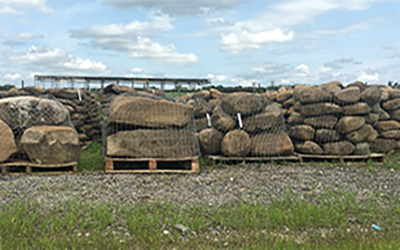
column 251, row 183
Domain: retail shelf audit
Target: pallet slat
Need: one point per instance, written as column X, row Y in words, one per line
column 374, row 156
column 217, row 158
column 150, row 165
column 28, row 168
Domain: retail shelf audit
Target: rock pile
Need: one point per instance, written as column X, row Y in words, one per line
column 38, row 129
column 283, row 98
column 332, row 120
column 141, row 126
column 389, row 121
column 245, row 124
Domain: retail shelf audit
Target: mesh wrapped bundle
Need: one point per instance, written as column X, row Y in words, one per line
column 388, row 125
column 143, row 126
column 38, row 129
column 245, row 124
column 332, row 120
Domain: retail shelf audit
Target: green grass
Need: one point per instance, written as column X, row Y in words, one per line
column 289, row 223
column 91, row 158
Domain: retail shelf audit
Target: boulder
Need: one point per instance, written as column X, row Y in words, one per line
column 383, row 115
column 309, row 147
column 365, row 134
column 314, row 95
column 395, row 115
column 372, row 119
column 243, row 103
column 301, row 132
column 348, row 124
column 338, row 148
column 326, row 135
column 371, row 95
column 148, row 112
column 332, row 87
column 271, row 144
column 359, row 85
column 271, row 95
column 210, row 141
column 116, row 89
column 295, row 119
column 385, row 95
column 221, row 121
column 7, row 142
column 391, row 134
column 298, row 89
column 360, row 108
column 28, row 111
column 51, row 144
column 325, row 121
column 200, row 107
column 347, row 95
column 394, row 93
column 388, row 125
column 381, row 145
column 203, row 94
column 288, row 103
column 362, row 149
column 320, row 109
column 264, row 121
column 236, row 143
column 391, row 104
column 201, row 123
column 216, row 94
column 160, row 143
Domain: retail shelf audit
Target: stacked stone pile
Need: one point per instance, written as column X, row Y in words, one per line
column 37, row 129
column 332, row 120
column 283, row 98
column 139, row 126
column 245, row 124
column 389, row 121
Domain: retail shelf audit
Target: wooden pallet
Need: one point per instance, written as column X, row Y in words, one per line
column 380, row 158
column 186, row 165
column 215, row 159
column 28, row 168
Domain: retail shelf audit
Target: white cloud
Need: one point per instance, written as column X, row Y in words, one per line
column 132, row 39
column 179, row 8
column 7, row 10
column 137, row 70
column 304, row 68
column 364, row 77
column 28, row 35
column 55, row 60
column 248, row 39
column 217, row 78
column 39, row 5
column 14, row 76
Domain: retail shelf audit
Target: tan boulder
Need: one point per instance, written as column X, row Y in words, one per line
column 200, row 107
column 236, row 143
column 388, row 125
column 147, row 112
column 365, row 134
column 271, row 118
column 221, row 121
column 201, row 123
column 391, row 134
column 338, row 148
column 271, row 144
column 295, row 119
column 51, row 144
column 320, row 109
column 202, row 94
column 391, row 104
column 371, row 95
column 383, row 115
column 159, row 143
column 372, row 118
column 381, row 145
column 326, row 135
column 332, row 87
column 210, row 141
column 284, row 96
column 348, row 124
column 360, row 108
column 325, row 121
column 362, row 149
column 243, row 103
column 309, row 147
column 216, row 94
column 395, row 115
column 314, row 95
column 301, row 132
column 347, row 95
column 7, row 142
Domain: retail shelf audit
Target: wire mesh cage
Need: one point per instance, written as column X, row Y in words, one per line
column 240, row 125
column 37, row 129
column 330, row 119
column 147, row 126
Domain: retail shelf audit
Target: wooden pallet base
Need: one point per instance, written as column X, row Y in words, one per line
column 149, row 166
column 28, row 168
column 380, row 158
column 216, row 159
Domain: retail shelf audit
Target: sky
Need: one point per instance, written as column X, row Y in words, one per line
column 230, row 42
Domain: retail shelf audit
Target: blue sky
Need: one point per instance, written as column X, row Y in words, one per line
column 231, row 42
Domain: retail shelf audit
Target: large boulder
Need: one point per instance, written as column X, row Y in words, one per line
column 339, row 148
column 348, row 124
column 236, row 143
column 295, row 118
column 222, row 121
column 160, row 143
column 348, row 95
column 325, row 121
column 28, row 111
column 332, row 87
column 320, row 109
column 7, row 142
column 200, row 107
column 360, row 108
column 284, row 96
column 309, row 147
column 201, row 123
column 314, row 95
column 391, row 104
column 216, row 94
column 148, row 112
column 362, row 149
column 388, row 125
column 395, row 115
column 271, row 144
column 301, row 132
column 383, row 115
column 371, row 95
column 381, row 145
column 210, row 141
column 391, row 134
column 243, row 103
column 326, row 135
column 51, row 144
column 270, row 118
column 365, row 134
column 203, row 94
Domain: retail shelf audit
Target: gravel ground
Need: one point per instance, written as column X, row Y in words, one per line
column 252, row 183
